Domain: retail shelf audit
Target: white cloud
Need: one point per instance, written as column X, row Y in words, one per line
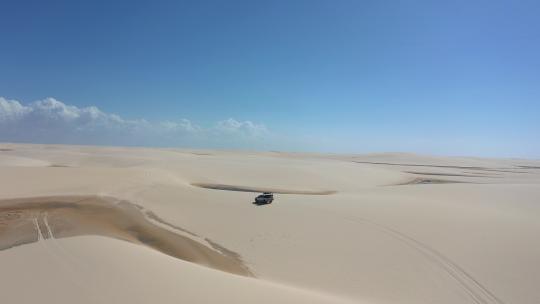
column 182, row 125
column 53, row 121
column 11, row 110
column 244, row 128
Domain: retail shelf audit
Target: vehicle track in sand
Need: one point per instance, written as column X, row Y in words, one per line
column 478, row 293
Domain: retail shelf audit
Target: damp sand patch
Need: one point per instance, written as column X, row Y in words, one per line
column 261, row 189
column 28, row 220
column 428, row 181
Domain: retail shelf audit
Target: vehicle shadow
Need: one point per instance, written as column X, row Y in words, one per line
column 259, row 204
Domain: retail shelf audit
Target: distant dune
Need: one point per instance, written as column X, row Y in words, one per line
column 83, row 224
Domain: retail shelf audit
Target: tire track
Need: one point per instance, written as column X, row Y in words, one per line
column 38, row 230
column 478, row 293
column 64, row 261
column 66, row 256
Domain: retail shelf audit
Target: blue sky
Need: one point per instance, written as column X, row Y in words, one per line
column 435, row 77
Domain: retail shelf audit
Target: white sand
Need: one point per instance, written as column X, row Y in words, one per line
column 400, row 228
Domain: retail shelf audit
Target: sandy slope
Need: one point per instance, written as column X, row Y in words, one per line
column 379, row 228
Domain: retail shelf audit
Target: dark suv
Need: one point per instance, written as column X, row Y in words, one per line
column 265, row 198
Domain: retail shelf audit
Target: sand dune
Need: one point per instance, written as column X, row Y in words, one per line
column 16, row 161
column 132, row 225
